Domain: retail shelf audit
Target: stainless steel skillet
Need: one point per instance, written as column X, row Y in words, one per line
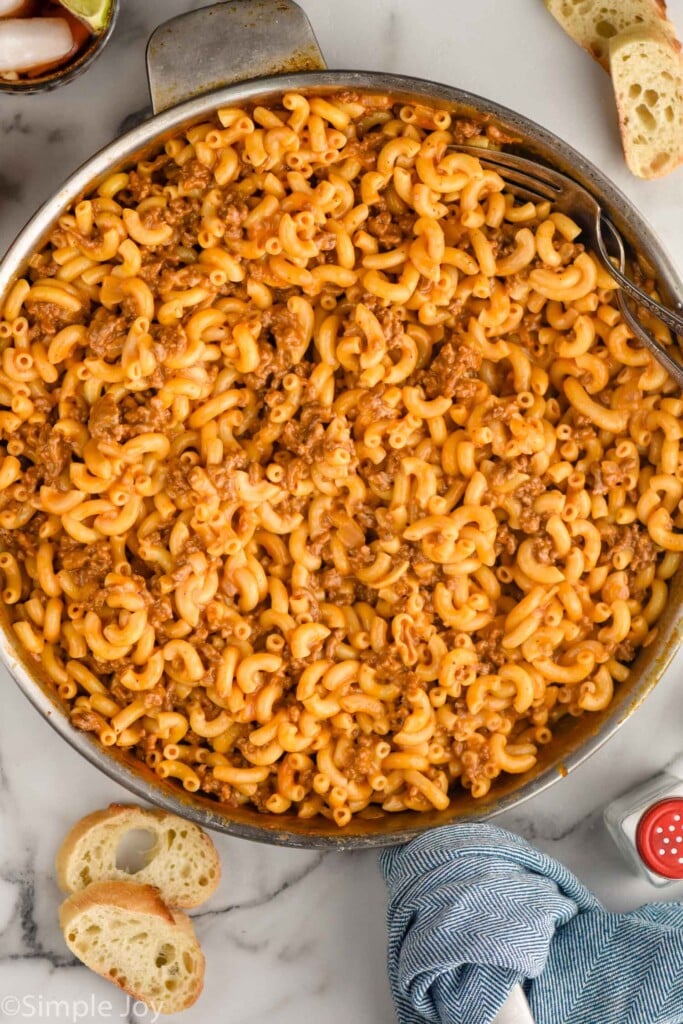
column 213, row 57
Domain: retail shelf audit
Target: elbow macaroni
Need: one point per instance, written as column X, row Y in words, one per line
column 330, row 477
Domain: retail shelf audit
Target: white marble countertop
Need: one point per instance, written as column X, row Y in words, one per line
column 291, row 935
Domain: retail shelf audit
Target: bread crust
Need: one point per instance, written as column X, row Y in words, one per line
column 129, row 896
column 127, row 817
column 652, row 146
column 136, row 899
column 575, row 24
column 626, row 107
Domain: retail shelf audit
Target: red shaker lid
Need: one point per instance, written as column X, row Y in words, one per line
column 659, row 837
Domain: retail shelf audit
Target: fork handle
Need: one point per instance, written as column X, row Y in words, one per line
column 672, row 320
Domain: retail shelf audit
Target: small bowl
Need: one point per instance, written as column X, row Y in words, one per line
column 67, row 73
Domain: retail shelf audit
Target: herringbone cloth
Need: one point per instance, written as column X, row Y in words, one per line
column 474, row 909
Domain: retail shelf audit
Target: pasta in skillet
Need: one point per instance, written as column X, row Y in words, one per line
column 331, row 477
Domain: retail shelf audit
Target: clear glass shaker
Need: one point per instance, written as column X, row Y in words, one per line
column 647, row 825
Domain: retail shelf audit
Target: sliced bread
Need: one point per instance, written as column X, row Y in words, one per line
column 126, row 933
column 181, row 861
column 648, row 84
column 592, row 23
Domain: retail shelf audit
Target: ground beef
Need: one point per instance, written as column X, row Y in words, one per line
column 625, row 651
column 506, row 541
column 365, row 148
column 105, row 419
column 544, row 551
column 529, row 520
column 195, row 176
column 385, row 229
column 390, row 318
column 222, row 476
column 612, row 473
column 339, row 589
column 170, row 341
column 88, row 564
column 274, row 364
column 151, row 271
column 139, row 419
column 48, row 449
column 177, row 482
column 88, row 721
column 635, row 538
column 139, row 187
column 301, row 441
column 233, row 212
column 455, row 362
column 359, row 761
column 531, row 489
column 392, row 326
column 490, row 650
column 48, row 317
column 373, row 409
column 313, row 413
column 283, row 326
column 160, row 612
column 464, row 130
column 106, row 335
column 595, row 481
column 183, row 212
column 179, row 279
column 154, row 217
column 326, row 241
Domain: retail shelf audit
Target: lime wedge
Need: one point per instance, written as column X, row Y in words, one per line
column 95, row 13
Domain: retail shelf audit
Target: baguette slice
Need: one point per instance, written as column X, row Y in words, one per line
column 126, row 933
column 647, row 76
column 592, row 23
column 182, row 864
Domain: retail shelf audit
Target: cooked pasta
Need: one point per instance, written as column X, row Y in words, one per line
column 331, row 478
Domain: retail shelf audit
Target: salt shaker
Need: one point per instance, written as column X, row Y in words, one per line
column 647, row 825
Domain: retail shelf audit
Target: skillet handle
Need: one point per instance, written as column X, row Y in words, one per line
column 215, row 46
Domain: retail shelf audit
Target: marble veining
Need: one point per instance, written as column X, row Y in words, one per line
column 292, row 935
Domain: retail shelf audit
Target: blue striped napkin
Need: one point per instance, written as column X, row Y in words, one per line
column 474, row 910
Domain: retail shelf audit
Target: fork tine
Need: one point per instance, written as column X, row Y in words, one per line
column 663, row 357
column 511, row 162
column 517, row 163
column 526, row 181
column 569, row 196
column 524, row 193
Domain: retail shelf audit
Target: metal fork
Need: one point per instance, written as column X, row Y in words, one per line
column 536, row 182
